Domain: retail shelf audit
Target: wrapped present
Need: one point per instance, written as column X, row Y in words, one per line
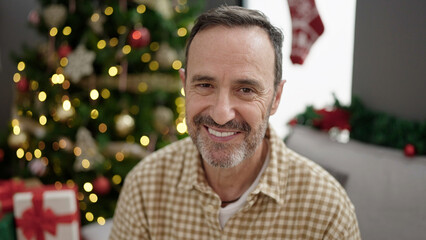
column 7, row 227
column 47, row 213
column 7, row 189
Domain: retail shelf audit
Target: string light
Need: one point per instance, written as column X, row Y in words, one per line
column 119, row 156
column 101, row 221
column 29, row 156
column 88, row 187
column 37, row 153
column 101, row 44
column 105, row 93
column 20, row 153
column 94, row 94
column 108, row 11
column 116, row 179
column 53, row 31
column 146, row 57
column 42, row 96
column 66, row 105
column 144, row 141
column 95, row 17
column 113, row 42
column 85, row 163
column 42, row 120
column 121, row 30
column 102, row 128
column 142, row 87
column 113, row 71
column 126, row 49
column 181, row 32
column 21, row 66
column 16, row 130
column 70, row 183
column 62, row 143
column 67, row 30
column 181, row 128
column 141, row 9
column 176, row 65
column 63, row 62
column 182, row 91
column 153, row 66
column 16, row 77
column 77, row 151
column 58, row 185
column 34, row 85
column 89, row 216
column 154, row 46
column 93, row 197
column 94, row 114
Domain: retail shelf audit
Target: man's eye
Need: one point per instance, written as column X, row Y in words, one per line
column 246, row 90
column 204, row 85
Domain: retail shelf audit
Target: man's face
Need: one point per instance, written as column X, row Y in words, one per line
column 229, row 92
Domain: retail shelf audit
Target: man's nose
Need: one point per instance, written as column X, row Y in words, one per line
column 222, row 110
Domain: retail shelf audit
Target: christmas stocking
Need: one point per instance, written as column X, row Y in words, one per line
column 306, row 27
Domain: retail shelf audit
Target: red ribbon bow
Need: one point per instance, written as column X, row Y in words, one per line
column 36, row 220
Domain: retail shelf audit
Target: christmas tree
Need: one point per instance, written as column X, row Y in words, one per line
column 98, row 95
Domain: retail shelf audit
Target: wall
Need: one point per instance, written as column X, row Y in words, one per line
column 389, row 72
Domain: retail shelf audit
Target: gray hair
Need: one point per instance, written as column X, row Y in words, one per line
column 234, row 16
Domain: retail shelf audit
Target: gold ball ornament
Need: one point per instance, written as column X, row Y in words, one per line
column 17, row 141
column 163, row 119
column 55, row 15
column 124, row 124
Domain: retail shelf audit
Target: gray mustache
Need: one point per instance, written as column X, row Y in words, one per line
column 233, row 124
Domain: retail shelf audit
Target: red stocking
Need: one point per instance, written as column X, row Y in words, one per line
column 306, row 27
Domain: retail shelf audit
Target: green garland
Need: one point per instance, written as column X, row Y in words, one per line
column 374, row 127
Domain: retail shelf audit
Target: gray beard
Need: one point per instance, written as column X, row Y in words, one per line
column 226, row 155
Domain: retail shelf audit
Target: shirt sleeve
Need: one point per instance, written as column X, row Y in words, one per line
column 129, row 220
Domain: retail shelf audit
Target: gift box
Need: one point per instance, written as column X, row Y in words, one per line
column 7, row 189
column 7, row 227
column 47, row 213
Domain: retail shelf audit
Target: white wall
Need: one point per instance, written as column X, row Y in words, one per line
column 328, row 67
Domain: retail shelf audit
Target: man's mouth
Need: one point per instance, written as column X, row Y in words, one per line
column 220, row 134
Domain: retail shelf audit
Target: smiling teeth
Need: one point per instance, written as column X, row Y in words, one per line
column 220, row 134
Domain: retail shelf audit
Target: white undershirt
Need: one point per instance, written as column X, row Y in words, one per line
column 225, row 213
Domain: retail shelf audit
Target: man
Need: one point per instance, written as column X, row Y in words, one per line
column 233, row 178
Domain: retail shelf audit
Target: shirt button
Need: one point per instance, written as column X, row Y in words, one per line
column 210, row 208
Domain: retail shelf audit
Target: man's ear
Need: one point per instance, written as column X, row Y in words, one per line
column 277, row 97
column 182, row 77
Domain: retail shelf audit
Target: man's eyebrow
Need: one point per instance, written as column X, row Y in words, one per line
column 249, row 82
column 205, row 78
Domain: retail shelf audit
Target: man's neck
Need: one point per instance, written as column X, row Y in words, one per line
column 231, row 183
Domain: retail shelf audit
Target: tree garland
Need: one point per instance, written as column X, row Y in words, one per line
column 368, row 126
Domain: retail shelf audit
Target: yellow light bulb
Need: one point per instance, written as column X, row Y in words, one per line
column 42, row 120
column 20, row 153
column 21, row 66
column 181, row 128
column 108, row 11
column 176, row 65
column 93, row 197
column 53, row 31
column 181, row 32
column 67, row 30
column 101, row 44
column 144, row 141
column 113, row 71
column 37, row 153
column 141, row 9
column 89, row 216
column 66, row 105
column 101, row 221
column 94, row 114
column 153, row 66
column 94, row 94
column 88, row 187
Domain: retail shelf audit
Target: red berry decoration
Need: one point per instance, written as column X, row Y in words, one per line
column 23, row 84
column 64, row 50
column 101, row 185
column 139, row 38
column 409, row 150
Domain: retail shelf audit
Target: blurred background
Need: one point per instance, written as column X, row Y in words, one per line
column 373, row 51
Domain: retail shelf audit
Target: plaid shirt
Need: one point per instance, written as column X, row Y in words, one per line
column 166, row 196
